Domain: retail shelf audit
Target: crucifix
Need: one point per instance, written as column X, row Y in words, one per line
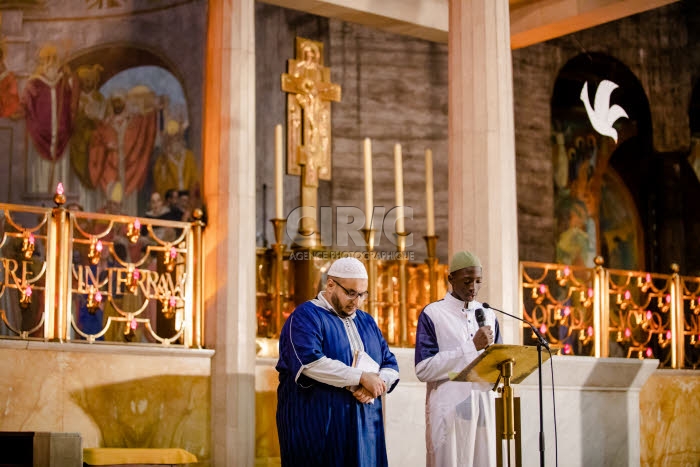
column 310, row 92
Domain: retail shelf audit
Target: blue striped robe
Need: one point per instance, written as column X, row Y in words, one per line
column 318, row 424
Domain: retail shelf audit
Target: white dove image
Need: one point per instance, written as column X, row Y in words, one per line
column 602, row 116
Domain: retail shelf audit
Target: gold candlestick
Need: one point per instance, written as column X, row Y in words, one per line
column 403, row 288
column 278, row 268
column 432, row 261
column 371, row 273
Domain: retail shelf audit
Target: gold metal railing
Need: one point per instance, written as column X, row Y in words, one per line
column 583, row 311
column 69, row 275
column 74, row 276
column 24, row 277
column 398, row 289
column 384, row 304
column 614, row 313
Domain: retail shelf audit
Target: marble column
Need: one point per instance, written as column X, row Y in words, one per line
column 481, row 201
column 229, row 239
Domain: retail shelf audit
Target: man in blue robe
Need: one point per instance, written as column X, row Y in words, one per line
column 329, row 411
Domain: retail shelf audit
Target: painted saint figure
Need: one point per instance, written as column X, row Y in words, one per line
column 175, row 168
column 9, row 97
column 50, row 101
column 92, row 107
column 121, row 146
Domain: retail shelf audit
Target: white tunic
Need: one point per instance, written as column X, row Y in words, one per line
column 460, row 423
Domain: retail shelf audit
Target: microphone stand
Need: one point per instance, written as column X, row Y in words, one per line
column 541, row 342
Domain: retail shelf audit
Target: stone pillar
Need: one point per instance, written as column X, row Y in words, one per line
column 229, row 239
column 481, row 201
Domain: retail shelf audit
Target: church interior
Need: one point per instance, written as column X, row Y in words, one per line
column 179, row 175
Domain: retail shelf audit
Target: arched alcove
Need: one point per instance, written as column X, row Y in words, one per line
column 692, row 181
column 599, row 162
column 694, row 121
column 153, row 88
column 117, row 57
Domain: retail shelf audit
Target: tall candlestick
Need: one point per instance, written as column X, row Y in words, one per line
column 398, row 176
column 429, row 202
column 279, row 173
column 369, row 202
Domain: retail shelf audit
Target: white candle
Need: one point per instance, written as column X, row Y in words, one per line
column 279, row 173
column 429, row 202
column 369, row 202
column 398, row 177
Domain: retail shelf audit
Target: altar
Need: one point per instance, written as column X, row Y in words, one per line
column 597, row 407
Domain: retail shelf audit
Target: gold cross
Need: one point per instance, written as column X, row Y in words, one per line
column 309, row 121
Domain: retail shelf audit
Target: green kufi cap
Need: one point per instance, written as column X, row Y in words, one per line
column 464, row 259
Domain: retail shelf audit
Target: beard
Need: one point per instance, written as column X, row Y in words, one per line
column 346, row 311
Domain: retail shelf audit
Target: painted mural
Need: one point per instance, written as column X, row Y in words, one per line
column 594, row 121
column 577, row 195
column 114, row 142
column 621, row 233
column 595, row 213
column 105, row 98
column 97, row 95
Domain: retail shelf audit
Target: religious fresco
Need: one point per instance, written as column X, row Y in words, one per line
column 622, row 237
column 595, row 213
column 114, row 142
column 577, row 195
column 103, row 98
column 594, row 210
column 112, row 120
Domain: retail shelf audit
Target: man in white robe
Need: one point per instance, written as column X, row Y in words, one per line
column 460, row 417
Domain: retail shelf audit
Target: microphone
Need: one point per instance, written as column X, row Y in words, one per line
column 480, row 318
column 540, row 337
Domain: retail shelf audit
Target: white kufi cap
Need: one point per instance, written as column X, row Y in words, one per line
column 348, row 268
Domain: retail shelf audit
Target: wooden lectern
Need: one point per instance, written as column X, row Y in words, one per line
column 510, row 364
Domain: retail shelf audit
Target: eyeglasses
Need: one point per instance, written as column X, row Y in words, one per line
column 353, row 294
